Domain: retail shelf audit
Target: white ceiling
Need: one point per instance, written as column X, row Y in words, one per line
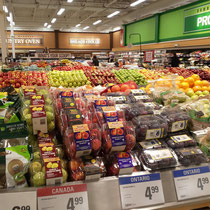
column 32, row 14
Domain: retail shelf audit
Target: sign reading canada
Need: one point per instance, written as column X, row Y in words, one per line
column 197, row 19
column 84, row 41
column 26, row 40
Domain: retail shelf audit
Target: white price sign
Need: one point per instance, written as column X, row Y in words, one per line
column 18, row 201
column 70, row 197
column 192, row 182
column 140, row 191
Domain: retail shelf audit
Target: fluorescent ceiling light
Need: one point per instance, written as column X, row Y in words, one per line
column 45, row 24
column 97, row 22
column 49, row 26
column 8, row 18
column 5, row 9
column 69, row 1
column 117, row 29
column 60, row 12
column 136, row 3
column 53, row 20
column 86, row 27
column 113, row 14
column 78, row 25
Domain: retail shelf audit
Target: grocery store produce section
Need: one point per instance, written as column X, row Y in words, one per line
column 68, row 123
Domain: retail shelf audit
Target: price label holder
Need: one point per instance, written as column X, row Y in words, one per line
column 18, row 201
column 141, row 190
column 192, row 182
column 69, row 197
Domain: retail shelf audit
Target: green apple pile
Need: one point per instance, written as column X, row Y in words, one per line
column 67, row 79
column 125, row 75
column 196, row 95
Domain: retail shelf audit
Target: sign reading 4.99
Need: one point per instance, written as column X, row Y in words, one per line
column 192, row 182
column 70, row 197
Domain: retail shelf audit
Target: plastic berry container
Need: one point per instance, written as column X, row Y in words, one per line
column 190, row 156
column 155, row 159
column 150, row 127
column 140, row 98
column 135, row 110
column 180, row 141
column 177, row 119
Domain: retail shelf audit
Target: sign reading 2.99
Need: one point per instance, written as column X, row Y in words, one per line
column 197, row 19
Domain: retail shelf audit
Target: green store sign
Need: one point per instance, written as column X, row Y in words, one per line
column 197, row 19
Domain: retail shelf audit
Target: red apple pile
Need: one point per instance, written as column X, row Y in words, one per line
column 100, row 77
column 19, row 78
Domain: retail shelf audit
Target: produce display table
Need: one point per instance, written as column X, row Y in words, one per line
column 105, row 194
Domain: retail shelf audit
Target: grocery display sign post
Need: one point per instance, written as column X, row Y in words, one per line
column 192, row 182
column 141, row 190
column 69, row 197
column 197, row 19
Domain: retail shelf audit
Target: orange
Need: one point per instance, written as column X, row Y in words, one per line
column 204, row 88
column 180, row 78
column 188, row 89
column 208, row 88
column 178, row 83
column 197, row 88
column 115, row 88
column 190, row 81
column 181, row 89
column 195, row 77
column 184, row 85
column 205, row 83
column 198, row 83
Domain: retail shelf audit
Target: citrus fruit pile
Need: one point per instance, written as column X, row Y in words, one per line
column 193, row 86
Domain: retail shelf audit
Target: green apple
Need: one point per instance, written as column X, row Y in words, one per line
column 198, row 93
column 35, row 167
column 205, row 92
column 190, row 93
column 39, row 179
column 65, row 175
column 194, row 97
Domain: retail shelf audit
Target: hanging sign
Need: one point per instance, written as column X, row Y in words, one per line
column 84, row 41
column 197, row 19
column 148, row 56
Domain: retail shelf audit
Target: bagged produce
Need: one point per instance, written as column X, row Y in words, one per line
column 82, row 140
column 118, row 136
column 109, row 114
column 15, row 162
column 119, row 164
column 47, row 172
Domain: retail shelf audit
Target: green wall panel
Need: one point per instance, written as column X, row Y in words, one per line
column 171, row 24
column 145, row 27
